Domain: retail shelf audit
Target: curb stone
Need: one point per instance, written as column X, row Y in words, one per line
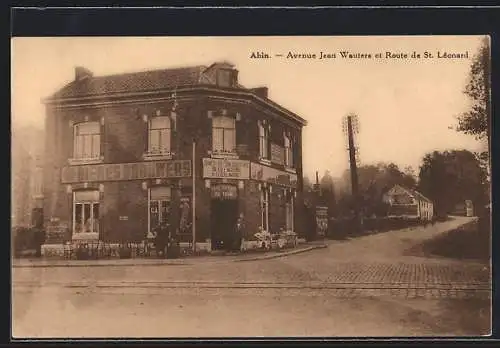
column 177, row 262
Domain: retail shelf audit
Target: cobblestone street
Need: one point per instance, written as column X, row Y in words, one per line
column 366, row 273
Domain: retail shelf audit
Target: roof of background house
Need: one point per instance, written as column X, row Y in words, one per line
column 412, row 192
column 420, row 196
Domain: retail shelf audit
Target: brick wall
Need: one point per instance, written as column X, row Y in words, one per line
column 124, row 139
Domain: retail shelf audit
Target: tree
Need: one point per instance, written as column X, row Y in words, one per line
column 374, row 181
column 475, row 121
column 451, row 177
column 328, row 192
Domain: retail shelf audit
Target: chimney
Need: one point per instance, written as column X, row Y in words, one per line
column 260, row 91
column 82, row 73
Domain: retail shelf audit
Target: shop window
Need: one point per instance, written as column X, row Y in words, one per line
column 264, row 209
column 264, row 131
column 85, row 212
column 289, row 162
column 87, row 141
column 159, row 135
column 223, row 134
column 159, row 206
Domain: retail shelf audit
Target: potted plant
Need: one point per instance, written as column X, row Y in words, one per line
column 264, row 239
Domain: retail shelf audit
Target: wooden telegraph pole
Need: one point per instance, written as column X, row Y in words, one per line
column 351, row 127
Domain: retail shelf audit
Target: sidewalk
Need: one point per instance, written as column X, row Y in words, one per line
column 190, row 260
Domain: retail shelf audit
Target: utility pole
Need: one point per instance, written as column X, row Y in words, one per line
column 351, row 129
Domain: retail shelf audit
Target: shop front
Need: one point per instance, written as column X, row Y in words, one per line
column 225, row 179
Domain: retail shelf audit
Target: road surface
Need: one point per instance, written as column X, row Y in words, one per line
column 368, row 286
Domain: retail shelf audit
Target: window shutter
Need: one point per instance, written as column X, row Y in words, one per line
column 241, row 132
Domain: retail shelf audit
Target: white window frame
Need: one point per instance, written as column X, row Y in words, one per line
column 264, row 208
column 289, row 160
column 79, row 142
column 264, row 140
column 224, row 150
column 159, row 150
column 160, row 202
column 93, row 234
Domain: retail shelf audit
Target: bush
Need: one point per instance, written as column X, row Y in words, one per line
column 343, row 228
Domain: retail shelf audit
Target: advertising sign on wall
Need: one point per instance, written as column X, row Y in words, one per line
column 223, row 191
column 272, row 175
column 321, row 220
column 226, row 168
column 126, row 171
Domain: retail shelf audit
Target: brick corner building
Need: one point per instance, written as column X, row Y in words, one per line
column 125, row 152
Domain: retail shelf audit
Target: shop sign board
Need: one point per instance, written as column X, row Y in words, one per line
column 272, row 175
column 126, row 171
column 224, row 191
column 225, row 168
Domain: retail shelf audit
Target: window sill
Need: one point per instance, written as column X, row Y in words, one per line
column 232, row 155
column 265, row 161
column 85, row 236
column 78, row 161
column 157, row 156
column 291, row 170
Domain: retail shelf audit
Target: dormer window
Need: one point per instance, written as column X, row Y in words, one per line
column 226, row 78
column 159, row 135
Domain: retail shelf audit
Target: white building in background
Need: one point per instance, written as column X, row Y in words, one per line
column 26, row 174
column 408, row 203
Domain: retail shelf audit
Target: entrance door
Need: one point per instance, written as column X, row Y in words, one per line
column 224, row 214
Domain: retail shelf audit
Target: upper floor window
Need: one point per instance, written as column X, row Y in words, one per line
column 159, row 135
column 87, row 140
column 224, row 134
column 288, row 151
column 263, row 140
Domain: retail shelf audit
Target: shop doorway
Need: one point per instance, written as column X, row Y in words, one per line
column 224, row 214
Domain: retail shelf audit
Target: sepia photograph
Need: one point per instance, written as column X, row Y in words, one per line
column 257, row 186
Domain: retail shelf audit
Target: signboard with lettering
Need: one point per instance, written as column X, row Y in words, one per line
column 277, row 154
column 321, row 220
column 126, row 171
column 226, row 168
column 223, row 191
column 272, row 175
column 56, row 232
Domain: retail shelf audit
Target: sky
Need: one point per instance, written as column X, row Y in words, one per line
column 405, row 106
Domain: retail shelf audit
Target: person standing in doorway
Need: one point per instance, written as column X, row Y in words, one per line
column 238, row 233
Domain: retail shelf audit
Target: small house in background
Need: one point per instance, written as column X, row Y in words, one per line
column 406, row 202
column 464, row 208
